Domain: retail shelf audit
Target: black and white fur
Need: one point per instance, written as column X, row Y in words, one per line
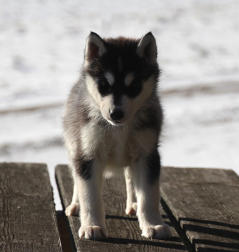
column 112, row 123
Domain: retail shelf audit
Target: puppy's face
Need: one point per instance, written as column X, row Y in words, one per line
column 120, row 74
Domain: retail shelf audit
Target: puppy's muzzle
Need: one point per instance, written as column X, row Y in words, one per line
column 117, row 115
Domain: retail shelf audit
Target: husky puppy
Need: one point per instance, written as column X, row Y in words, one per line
column 112, row 122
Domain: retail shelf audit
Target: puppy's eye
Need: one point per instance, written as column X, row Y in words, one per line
column 104, row 87
column 134, row 89
column 129, row 79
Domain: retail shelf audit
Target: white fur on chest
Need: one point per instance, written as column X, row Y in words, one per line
column 116, row 146
column 107, row 144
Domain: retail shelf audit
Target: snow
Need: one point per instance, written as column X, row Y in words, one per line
column 41, row 51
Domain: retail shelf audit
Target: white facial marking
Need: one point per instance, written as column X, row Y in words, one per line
column 92, row 89
column 110, row 78
column 128, row 79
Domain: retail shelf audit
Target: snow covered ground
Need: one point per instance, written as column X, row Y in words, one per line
column 41, row 49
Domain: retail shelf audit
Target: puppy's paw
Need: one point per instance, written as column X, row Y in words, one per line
column 92, row 232
column 157, row 232
column 72, row 210
column 132, row 209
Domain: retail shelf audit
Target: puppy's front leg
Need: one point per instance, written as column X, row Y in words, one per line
column 88, row 178
column 146, row 175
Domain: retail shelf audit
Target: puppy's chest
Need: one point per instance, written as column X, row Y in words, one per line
column 117, row 146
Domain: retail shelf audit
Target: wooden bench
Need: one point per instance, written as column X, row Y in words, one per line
column 200, row 205
column 27, row 212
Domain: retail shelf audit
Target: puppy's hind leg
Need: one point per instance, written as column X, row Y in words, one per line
column 131, row 205
column 74, row 208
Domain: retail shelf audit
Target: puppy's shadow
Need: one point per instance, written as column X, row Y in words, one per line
column 171, row 243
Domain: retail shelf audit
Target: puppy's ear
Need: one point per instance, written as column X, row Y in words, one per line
column 95, row 47
column 147, row 48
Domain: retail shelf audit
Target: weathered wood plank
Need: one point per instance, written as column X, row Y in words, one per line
column 27, row 212
column 123, row 231
column 205, row 202
column 67, row 241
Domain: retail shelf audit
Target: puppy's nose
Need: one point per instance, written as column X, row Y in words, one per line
column 116, row 114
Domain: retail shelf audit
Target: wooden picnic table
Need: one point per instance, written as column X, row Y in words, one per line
column 200, row 205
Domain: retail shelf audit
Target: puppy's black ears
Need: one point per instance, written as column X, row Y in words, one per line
column 95, row 47
column 147, row 48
